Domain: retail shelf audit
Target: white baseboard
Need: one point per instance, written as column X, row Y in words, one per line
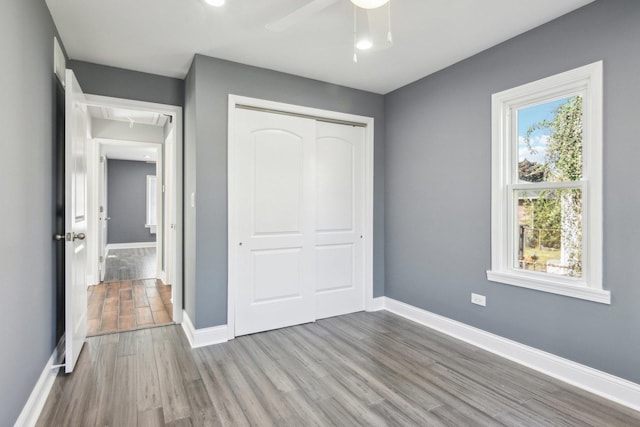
column 617, row 389
column 38, row 397
column 376, row 304
column 133, row 245
column 205, row 336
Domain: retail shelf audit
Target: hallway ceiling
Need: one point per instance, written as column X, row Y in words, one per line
column 161, row 36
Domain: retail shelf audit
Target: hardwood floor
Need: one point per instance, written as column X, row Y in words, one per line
column 370, row 369
column 130, row 264
column 128, row 305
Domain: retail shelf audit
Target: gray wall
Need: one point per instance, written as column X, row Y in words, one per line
column 189, row 186
column 438, row 189
column 110, row 81
column 27, row 301
column 127, row 201
column 209, row 83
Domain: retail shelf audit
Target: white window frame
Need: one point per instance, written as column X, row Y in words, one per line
column 587, row 82
column 152, row 185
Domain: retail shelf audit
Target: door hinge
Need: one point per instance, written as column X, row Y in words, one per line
column 101, row 209
column 102, row 158
column 100, row 259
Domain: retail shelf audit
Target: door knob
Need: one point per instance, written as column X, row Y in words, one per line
column 70, row 236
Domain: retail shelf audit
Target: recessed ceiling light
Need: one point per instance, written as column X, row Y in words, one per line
column 216, row 3
column 369, row 4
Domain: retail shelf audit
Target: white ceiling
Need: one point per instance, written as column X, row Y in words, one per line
column 161, row 36
column 129, row 151
column 128, row 116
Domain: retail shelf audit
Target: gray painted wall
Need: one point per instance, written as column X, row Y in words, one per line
column 209, row 83
column 438, row 188
column 27, row 299
column 189, row 185
column 127, row 201
column 110, row 81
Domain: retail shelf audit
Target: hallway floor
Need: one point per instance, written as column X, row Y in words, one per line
column 130, row 264
column 128, row 305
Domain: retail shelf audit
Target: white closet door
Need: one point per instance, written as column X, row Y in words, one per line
column 339, row 250
column 276, row 213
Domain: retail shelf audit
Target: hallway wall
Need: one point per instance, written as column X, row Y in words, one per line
column 127, row 201
column 26, row 183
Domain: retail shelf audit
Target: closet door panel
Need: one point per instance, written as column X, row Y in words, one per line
column 276, row 286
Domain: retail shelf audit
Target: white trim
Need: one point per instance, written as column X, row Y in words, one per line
column 133, row 245
column 609, row 386
column 205, row 336
column 587, row 81
column 377, row 304
column 59, row 61
column 177, row 181
column 38, row 397
column 367, row 122
column 542, row 283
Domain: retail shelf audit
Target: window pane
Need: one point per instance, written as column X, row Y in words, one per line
column 549, row 231
column 550, row 141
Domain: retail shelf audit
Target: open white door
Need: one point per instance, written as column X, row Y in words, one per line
column 76, row 129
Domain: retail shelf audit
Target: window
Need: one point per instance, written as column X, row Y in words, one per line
column 546, row 207
column 152, row 207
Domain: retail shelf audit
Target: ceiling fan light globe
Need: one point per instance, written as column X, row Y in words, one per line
column 216, row 3
column 364, row 44
column 369, row 4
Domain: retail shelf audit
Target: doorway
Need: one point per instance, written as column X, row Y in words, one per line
column 134, row 182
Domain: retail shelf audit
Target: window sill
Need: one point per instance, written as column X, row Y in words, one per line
column 545, row 285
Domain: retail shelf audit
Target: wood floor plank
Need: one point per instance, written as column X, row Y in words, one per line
column 123, row 407
column 220, row 392
column 279, row 377
column 306, row 409
column 98, row 412
column 249, row 402
column 267, row 393
column 151, row 418
column 203, row 413
column 172, row 391
column 147, row 384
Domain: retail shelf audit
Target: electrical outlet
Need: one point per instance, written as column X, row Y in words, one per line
column 479, row 299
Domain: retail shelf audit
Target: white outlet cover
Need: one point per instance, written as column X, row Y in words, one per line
column 479, row 299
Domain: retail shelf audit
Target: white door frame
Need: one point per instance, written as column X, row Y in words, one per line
column 232, row 178
column 176, row 180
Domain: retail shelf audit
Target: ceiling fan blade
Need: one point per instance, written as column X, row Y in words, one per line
column 299, row 15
